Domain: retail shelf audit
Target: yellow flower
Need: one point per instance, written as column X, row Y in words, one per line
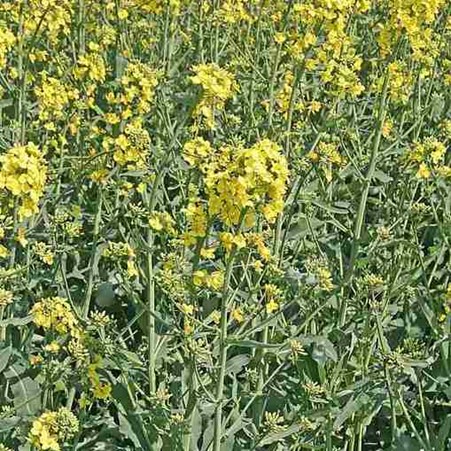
column 215, row 280
column 6, row 297
column 251, row 180
column 131, row 147
column 215, row 316
column 44, row 252
column 218, row 85
column 197, row 222
column 54, row 314
column 53, row 347
column 138, row 85
column 132, row 270
column 53, row 98
column 187, row 309
column 52, row 427
column 162, row 221
column 35, row 360
column 21, row 237
column 271, row 306
column 102, row 390
column 199, row 277
column 197, row 152
column 208, row 253
column 4, row 252
column 226, row 239
column 423, row 171
column 237, row 315
column 122, row 14
column 7, row 41
column 325, row 279
column 23, row 173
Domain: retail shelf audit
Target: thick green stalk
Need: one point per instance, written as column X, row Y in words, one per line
column 222, row 354
column 385, row 351
column 21, row 70
column 90, row 286
column 151, row 307
column 191, row 404
column 81, row 27
column 364, row 197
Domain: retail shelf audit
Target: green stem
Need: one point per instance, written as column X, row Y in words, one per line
column 90, row 286
column 364, row 197
column 151, row 306
column 81, row 27
column 222, row 354
column 387, row 375
column 191, row 404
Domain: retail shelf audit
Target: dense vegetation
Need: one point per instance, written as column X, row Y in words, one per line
column 225, row 225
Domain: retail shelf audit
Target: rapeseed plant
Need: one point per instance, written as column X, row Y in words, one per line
column 225, row 224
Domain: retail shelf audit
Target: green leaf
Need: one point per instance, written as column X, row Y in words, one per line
column 15, row 371
column 323, row 348
column 443, row 434
column 382, row 176
column 105, row 295
column 252, row 344
column 5, row 354
column 130, row 424
column 16, row 321
column 277, row 437
column 300, row 228
column 27, row 396
column 330, row 208
column 236, row 364
column 6, row 424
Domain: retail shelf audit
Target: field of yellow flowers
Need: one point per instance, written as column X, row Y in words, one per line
column 225, row 225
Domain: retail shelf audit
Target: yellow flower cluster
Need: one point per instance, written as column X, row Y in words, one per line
column 242, row 180
column 272, row 298
column 52, row 429
column 6, row 297
column 230, row 241
column 54, row 22
column 56, row 315
column 44, row 252
column 158, row 6
column 400, row 81
column 321, row 273
column 413, row 19
column 3, row 251
column 162, row 221
column 218, row 85
column 213, row 281
column 427, row 157
column 100, row 390
column 326, row 45
column 138, row 83
column 91, row 66
column 23, row 173
column 53, row 97
column 197, row 152
column 327, row 156
column 284, row 96
column 130, row 148
column 7, row 41
column 233, row 11
column 257, row 240
column 197, row 220
column 119, row 251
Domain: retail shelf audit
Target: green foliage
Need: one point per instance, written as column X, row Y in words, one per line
column 225, row 225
